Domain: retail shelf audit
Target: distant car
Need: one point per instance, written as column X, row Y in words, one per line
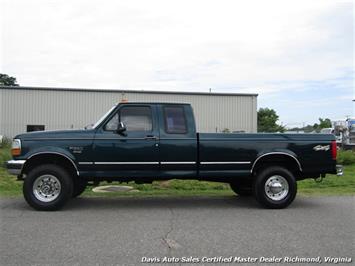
column 328, row 130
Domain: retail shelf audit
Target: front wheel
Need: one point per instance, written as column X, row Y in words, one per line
column 275, row 187
column 47, row 187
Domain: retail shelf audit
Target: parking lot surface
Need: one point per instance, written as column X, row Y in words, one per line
column 127, row 231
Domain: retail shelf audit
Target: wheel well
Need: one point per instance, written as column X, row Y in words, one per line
column 49, row 158
column 290, row 163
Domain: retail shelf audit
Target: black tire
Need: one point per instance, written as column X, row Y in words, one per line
column 242, row 188
column 62, row 195
column 79, row 186
column 263, row 188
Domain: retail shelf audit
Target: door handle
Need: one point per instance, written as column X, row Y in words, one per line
column 151, row 137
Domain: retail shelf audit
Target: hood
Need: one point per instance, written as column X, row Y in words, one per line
column 57, row 134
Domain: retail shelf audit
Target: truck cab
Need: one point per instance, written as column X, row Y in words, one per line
column 145, row 140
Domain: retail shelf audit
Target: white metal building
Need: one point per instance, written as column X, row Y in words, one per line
column 25, row 109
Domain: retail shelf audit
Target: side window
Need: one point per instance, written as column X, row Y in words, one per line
column 112, row 124
column 135, row 118
column 175, row 121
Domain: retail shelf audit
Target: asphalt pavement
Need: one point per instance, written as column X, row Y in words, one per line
column 204, row 230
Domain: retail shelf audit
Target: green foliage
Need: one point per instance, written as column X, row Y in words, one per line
column 6, row 80
column 331, row 184
column 5, row 155
column 267, row 119
column 306, row 129
column 6, row 142
column 323, row 123
column 346, row 157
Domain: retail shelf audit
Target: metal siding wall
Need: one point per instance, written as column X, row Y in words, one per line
column 75, row 109
column 1, row 112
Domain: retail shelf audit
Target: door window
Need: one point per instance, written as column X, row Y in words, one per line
column 135, row 118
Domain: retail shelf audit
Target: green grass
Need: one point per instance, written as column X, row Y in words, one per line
column 331, row 185
column 4, row 155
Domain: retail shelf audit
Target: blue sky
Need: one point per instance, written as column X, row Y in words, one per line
column 297, row 55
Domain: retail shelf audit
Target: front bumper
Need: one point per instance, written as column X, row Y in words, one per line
column 14, row 167
column 339, row 170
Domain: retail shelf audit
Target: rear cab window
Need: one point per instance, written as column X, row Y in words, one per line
column 175, row 120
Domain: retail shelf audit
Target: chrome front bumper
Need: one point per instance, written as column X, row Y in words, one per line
column 14, row 167
column 339, row 170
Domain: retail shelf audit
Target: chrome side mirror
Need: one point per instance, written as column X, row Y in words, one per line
column 121, row 128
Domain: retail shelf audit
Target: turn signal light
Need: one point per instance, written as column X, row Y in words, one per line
column 16, row 147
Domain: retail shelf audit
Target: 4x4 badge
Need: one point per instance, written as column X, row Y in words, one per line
column 321, row 148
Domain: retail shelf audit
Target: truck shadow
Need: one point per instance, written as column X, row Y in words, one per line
column 160, row 203
column 197, row 202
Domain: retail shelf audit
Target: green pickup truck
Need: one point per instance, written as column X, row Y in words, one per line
column 143, row 142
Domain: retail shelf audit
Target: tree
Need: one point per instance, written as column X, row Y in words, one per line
column 323, row 123
column 267, row 119
column 6, row 80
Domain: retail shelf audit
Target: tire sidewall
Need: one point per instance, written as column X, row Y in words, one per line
column 66, row 187
column 259, row 187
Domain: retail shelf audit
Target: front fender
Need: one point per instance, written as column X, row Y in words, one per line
column 52, row 150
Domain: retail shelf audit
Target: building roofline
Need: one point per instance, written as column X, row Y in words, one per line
column 125, row 91
column 162, row 103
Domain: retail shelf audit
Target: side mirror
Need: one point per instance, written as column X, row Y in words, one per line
column 121, row 128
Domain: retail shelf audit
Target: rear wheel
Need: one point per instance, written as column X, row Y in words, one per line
column 275, row 187
column 47, row 187
column 242, row 188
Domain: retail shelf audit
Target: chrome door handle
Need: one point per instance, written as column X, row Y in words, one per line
column 151, row 137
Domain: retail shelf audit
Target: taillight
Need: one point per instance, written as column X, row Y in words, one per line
column 334, row 150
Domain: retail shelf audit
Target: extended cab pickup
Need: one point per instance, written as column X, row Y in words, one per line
column 143, row 142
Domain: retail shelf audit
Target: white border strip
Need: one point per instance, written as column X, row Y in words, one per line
column 163, row 163
column 126, row 162
column 178, row 162
column 225, row 162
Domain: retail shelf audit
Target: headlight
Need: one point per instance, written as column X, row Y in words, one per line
column 16, row 147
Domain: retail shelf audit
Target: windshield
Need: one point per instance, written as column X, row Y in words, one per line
column 103, row 117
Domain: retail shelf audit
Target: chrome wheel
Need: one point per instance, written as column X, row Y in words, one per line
column 46, row 188
column 276, row 187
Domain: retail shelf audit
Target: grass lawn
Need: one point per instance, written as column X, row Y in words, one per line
column 331, row 185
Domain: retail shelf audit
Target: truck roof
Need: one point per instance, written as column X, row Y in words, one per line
column 154, row 103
